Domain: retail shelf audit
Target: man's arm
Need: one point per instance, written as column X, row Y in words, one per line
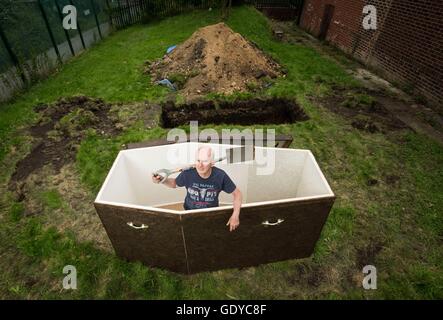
column 234, row 221
column 170, row 182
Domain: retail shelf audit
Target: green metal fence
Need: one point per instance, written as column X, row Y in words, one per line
column 30, row 28
column 33, row 41
column 127, row 12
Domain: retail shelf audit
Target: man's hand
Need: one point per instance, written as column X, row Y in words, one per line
column 156, row 178
column 233, row 222
column 168, row 182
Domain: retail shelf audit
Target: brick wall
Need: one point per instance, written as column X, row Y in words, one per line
column 407, row 46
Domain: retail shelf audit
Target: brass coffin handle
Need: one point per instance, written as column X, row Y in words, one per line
column 267, row 223
column 132, row 225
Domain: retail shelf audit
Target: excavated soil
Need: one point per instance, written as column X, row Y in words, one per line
column 246, row 112
column 215, row 59
column 59, row 132
column 370, row 116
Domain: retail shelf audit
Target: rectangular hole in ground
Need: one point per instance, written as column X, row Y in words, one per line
column 242, row 112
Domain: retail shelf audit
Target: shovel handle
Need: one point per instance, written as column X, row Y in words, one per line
column 167, row 172
column 220, row 159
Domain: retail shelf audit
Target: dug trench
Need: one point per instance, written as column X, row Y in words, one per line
column 240, row 112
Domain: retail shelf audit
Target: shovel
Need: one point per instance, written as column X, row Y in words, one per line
column 233, row 155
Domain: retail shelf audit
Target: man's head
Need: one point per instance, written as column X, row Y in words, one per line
column 204, row 160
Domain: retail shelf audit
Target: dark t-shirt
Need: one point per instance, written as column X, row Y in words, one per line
column 203, row 193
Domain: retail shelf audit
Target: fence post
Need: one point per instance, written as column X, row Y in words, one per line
column 110, row 13
column 140, row 9
column 126, row 14
column 12, row 55
column 145, row 6
column 122, row 19
column 300, row 11
column 129, row 13
column 51, row 35
column 96, row 18
column 79, row 29
column 66, row 31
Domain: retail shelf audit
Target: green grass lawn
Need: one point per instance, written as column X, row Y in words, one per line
column 398, row 226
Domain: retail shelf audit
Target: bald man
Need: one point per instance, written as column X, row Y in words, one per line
column 204, row 184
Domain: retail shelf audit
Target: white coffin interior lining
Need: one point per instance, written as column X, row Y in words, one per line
column 296, row 177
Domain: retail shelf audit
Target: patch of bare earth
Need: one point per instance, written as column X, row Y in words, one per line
column 79, row 216
column 383, row 113
column 215, row 59
column 371, row 116
column 50, row 166
column 59, row 132
column 49, row 169
column 392, row 103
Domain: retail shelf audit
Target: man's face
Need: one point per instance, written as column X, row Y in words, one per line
column 203, row 163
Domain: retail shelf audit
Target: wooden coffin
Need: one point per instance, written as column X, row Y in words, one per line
column 283, row 212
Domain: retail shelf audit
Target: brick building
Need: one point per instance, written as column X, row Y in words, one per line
column 406, row 47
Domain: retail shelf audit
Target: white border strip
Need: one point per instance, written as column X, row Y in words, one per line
column 108, row 177
column 246, row 205
column 321, row 173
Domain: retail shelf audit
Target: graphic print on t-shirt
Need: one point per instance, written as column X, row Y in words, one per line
column 202, row 195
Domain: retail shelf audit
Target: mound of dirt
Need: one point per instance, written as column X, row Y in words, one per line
column 215, row 59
